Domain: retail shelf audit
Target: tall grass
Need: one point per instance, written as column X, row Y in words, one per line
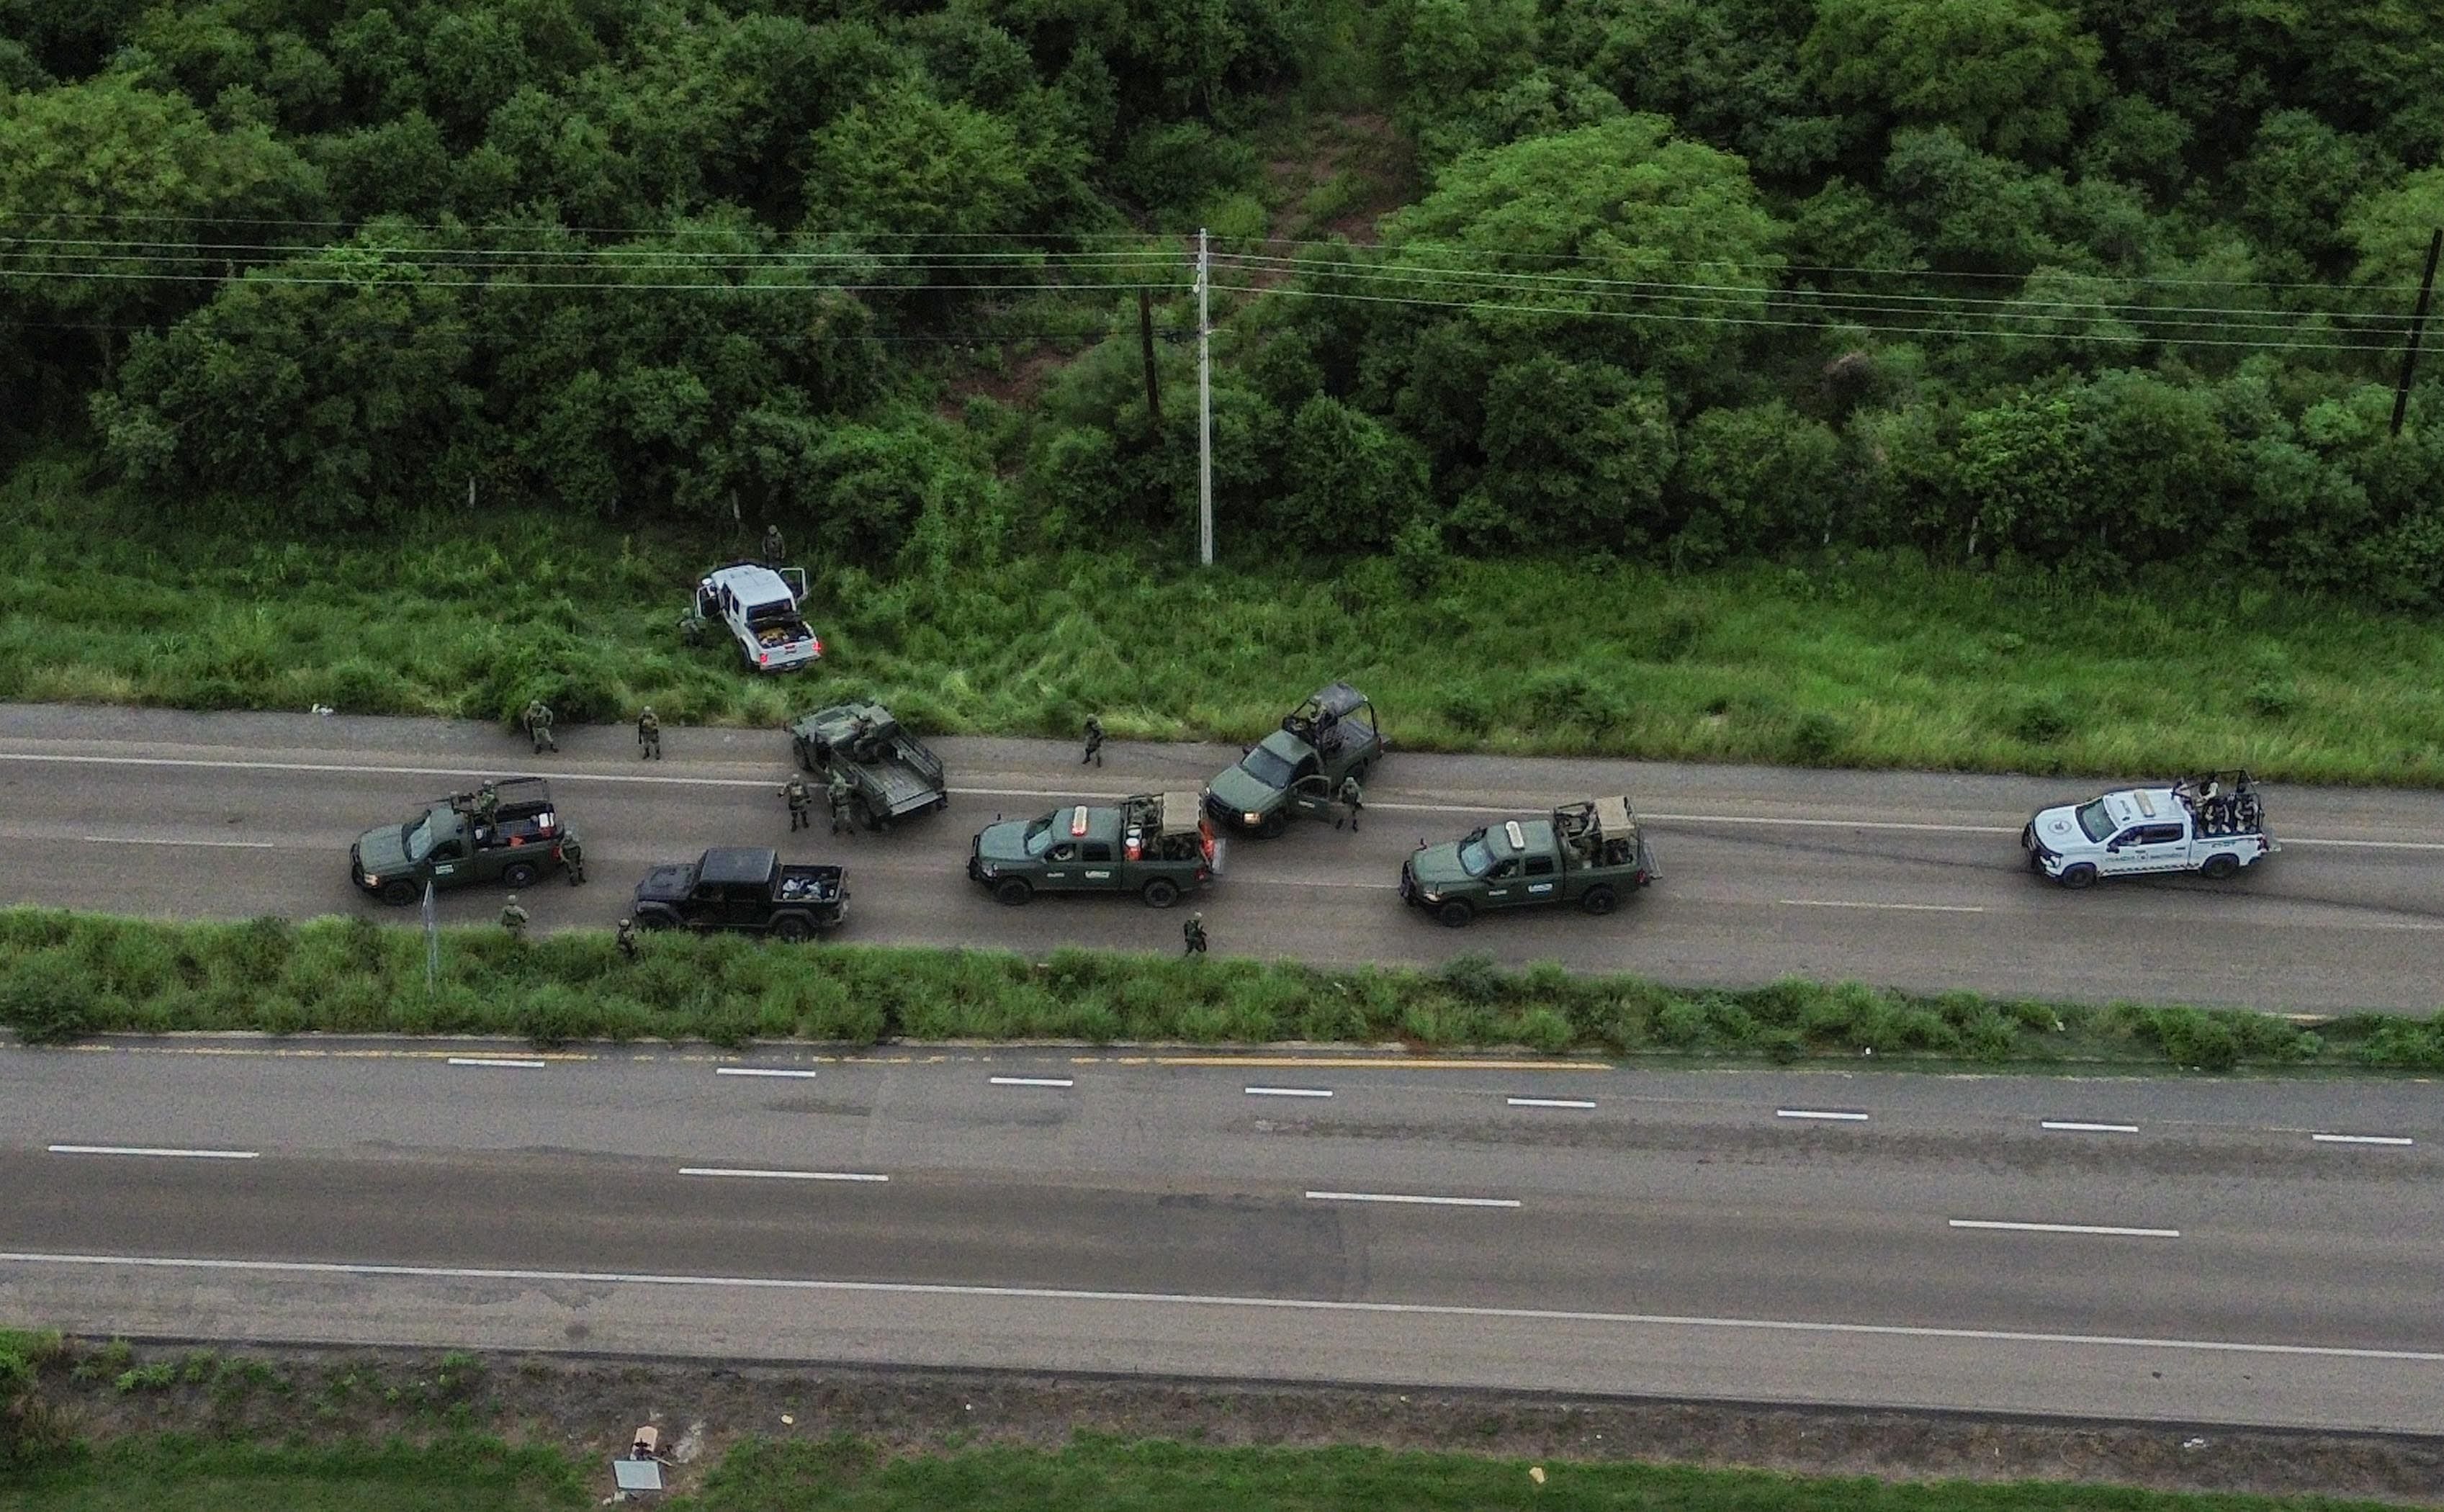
column 154, row 1474
column 63, row 975
column 1101, row 1474
column 1879, row 662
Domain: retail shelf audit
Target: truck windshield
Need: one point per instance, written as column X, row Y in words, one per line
column 1475, row 858
column 1267, row 768
column 1039, row 836
column 417, row 837
column 2094, row 821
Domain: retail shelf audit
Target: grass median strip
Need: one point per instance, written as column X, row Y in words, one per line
column 66, row 975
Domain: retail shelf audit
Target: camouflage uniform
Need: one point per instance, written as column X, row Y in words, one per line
column 1355, row 797
column 801, row 800
column 773, row 546
column 1194, row 933
column 1094, row 742
column 840, row 791
column 572, row 857
column 538, row 718
column 625, row 938
column 487, row 803
column 513, row 918
column 649, row 736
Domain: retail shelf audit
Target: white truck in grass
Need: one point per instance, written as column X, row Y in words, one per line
column 2213, row 826
column 759, row 608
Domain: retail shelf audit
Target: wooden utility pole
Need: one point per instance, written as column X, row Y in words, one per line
column 1204, row 403
column 1146, row 343
column 2417, row 326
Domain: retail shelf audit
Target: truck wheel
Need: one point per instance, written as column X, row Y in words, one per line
column 793, row 928
column 1271, row 825
column 1012, row 893
column 655, row 919
column 399, row 894
column 2219, row 867
column 517, row 874
column 1455, row 914
column 1598, row 899
column 2077, row 876
column 1161, row 893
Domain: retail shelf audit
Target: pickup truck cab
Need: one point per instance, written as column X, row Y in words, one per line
column 452, row 843
column 1298, row 768
column 1156, row 845
column 895, row 774
column 744, row 888
column 2213, row 825
column 1589, row 854
column 758, row 607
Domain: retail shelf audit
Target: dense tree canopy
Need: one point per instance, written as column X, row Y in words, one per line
column 2086, row 283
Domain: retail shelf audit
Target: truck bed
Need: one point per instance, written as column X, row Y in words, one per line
column 905, row 780
column 808, row 885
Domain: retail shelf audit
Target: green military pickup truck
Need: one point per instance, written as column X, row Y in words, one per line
column 895, row 774
column 1298, row 768
column 1588, row 854
column 1156, row 845
column 508, row 831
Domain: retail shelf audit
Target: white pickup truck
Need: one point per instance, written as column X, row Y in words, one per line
column 2213, row 826
column 759, row 608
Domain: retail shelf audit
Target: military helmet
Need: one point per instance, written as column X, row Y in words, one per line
column 514, row 897
column 625, row 922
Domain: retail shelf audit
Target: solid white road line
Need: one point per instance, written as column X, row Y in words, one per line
column 149, row 839
column 1286, row 1304
column 779, row 1175
column 384, row 769
column 761, row 1071
column 1548, row 1102
column 144, row 1150
column 2067, row 1228
column 1289, row 1092
column 1890, row 908
column 1814, row 1113
column 1031, row 1081
column 2064, row 1126
column 1427, row 1201
column 2363, row 1139
column 495, row 1062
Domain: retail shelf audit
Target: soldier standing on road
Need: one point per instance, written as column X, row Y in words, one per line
column 771, row 545
column 625, row 938
column 539, row 725
column 1194, row 931
column 1355, row 797
column 838, row 791
column 514, row 920
column 572, row 857
column 801, row 800
column 649, row 736
column 1094, row 742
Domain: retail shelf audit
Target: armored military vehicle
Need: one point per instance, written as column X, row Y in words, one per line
column 513, row 837
column 1155, row 845
column 895, row 774
column 1588, row 854
column 1299, row 767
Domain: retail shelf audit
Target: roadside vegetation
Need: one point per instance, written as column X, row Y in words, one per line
column 1941, row 382
column 1872, row 660
column 307, row 1428
column 65, row 975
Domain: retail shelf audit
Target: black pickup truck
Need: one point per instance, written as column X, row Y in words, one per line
column 746, row 888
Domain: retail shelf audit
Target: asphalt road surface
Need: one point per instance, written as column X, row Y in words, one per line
column 1904, row 880
column 2187, row 1251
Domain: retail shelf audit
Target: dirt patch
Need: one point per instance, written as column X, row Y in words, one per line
column 590, row 1407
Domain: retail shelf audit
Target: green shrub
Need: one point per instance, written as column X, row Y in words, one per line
column 2042, row 721
column 47, row 997
column 2191, row 1037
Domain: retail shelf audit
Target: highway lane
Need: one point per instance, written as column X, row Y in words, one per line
column 1908, row 879
column 1684, row 1234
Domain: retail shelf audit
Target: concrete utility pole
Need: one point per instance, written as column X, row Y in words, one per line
column 1204, row 404
column 2417, row 327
